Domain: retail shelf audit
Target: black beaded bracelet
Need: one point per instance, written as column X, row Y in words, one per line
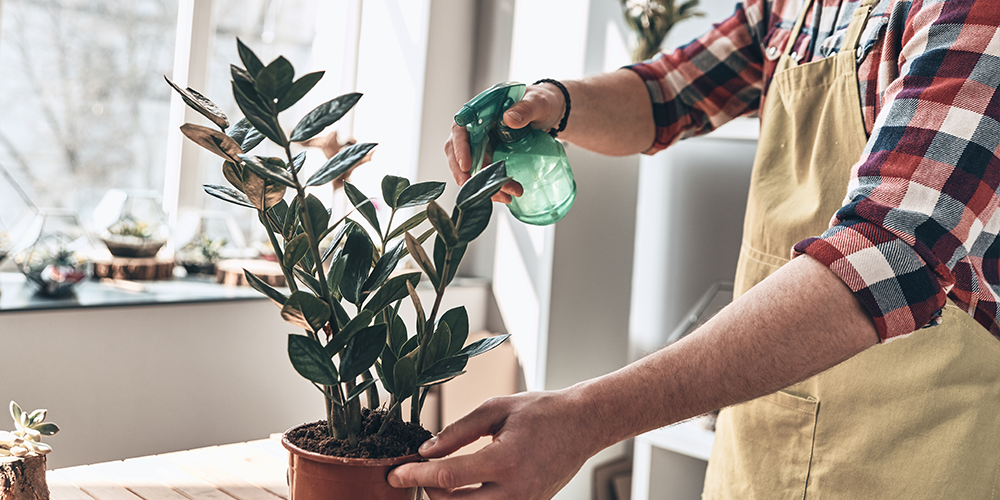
column 562, row 123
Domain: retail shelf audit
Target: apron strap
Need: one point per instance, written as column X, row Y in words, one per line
column 858, row 22
column 797, row 29
column 854, row 29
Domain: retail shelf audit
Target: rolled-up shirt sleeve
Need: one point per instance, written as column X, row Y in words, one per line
column 919, row 223
column 708, row 82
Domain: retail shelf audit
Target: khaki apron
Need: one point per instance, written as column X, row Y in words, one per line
column 918, row 418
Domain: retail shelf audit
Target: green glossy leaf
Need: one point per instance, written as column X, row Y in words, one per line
column 444, row 369
column 383, row 268
column 310, row 360
column 271, row 169
column 297, row 161
column 340, row 163
column 420, row 194
column 482, row 186
column 472, row 221
column 297, row 90
column 295, row 250
column 342, row 317
column 262, row 120
column 213, row 140
column 262, row 287
column 397, row 335
column 335, row 275
column 437, row 346
column 419, row 308
column 485, row 345
column 262, row 194
column 421, row 239
column 276, row 216
column 355, row 325
column 391, row 187
column 291, row 223
column 323, row 116
column 252, row 140
column 319, row 217
column 201, row 104
column 385, row 369
column 362, row 351
column 360, row 389
column 364, row 205
column 441, row 253
column 458, row 323
column 46, row 429
column 410, row 345
column 335, row 242
column 228, row 194
column 308, row 280
column 239, row 131
column 421, row 258
column 407, row 225
column 250, row 60
column 440, row 220
column 306, row 311
column 393, row 290
column 358, row 249
column 404, row 376
column 275, row 79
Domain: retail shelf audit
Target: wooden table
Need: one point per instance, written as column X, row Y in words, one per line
column 254, row 470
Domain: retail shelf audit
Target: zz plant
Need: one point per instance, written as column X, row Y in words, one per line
column 343, row 292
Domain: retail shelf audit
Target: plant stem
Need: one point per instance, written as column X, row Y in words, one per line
column 371, row 392
column 278, row 254
column 417, row 403
column 394, row 406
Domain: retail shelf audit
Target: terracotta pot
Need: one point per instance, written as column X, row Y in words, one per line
column 312, row 476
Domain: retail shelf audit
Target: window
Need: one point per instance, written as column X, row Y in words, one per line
column 82, row 103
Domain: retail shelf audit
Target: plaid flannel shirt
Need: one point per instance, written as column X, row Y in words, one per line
column 920, row 221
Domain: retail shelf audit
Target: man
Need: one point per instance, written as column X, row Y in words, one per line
column 892, row 103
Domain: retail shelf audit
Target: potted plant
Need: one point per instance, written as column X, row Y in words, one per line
column 651, row 20
column 22, row 455
column 343, row 292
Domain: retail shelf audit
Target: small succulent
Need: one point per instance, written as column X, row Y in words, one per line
column 26, row 440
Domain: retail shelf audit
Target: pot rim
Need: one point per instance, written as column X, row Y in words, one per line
column 331, row 459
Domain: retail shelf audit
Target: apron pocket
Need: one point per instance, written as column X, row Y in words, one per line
column 763, row 449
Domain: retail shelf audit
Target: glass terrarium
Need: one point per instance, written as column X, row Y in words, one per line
column 57, row 253
column 206, row 237
column 132, row 223
column 16, row 214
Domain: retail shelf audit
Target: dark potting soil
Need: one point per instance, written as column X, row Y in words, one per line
column 399, row 439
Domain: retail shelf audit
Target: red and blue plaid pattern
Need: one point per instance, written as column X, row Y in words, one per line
column 920, row 220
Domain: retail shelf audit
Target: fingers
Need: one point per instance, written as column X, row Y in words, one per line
column 508, row 191
column 456, row 148
column 483, row 421
column 445, row 474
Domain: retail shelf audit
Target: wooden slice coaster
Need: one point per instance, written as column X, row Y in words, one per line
column 135, row 269
column 230, row 272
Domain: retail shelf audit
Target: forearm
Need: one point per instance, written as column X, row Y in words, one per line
column 610, row 113
column 797, row 323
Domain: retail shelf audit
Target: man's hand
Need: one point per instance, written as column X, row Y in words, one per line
column 541, row 107
column 540, row 441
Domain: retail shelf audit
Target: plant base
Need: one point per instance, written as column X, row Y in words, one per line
column 313, row 476
column 23, row 478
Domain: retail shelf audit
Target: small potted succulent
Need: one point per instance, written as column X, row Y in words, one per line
column 22, row 455
column 343, row 289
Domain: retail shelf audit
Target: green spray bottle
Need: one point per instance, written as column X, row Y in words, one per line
column 533, row 158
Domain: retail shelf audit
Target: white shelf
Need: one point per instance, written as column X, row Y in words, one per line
column 669, row 463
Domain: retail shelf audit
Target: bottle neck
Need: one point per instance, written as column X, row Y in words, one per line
column 509, row 135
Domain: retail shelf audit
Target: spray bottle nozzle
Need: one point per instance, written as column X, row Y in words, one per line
column 483, row 112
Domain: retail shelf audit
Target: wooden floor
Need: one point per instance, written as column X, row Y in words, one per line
column 253, row 470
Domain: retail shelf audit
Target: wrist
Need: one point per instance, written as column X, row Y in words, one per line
column 560, row 96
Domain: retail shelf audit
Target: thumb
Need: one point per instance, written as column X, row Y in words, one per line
column 523, row 112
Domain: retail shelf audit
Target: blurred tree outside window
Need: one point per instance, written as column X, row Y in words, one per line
column 83, row 107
